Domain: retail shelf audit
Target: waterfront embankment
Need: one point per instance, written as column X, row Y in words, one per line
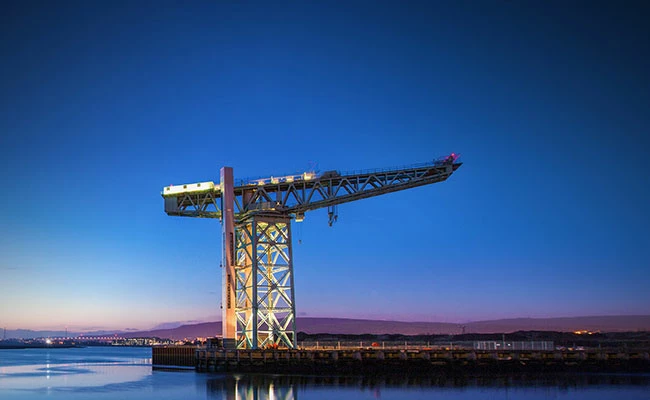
column 416, row 362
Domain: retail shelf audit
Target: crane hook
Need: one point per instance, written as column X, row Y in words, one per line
column 332, row 214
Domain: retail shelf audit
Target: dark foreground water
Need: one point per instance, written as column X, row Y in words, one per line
column 125, row 373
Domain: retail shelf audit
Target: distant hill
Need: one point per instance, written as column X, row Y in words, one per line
column 621, row 323
column 205, row 329
column 361, row 326
column 624, row 323
column 30, row 334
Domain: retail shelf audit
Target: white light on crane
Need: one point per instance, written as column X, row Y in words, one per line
column 175, row 190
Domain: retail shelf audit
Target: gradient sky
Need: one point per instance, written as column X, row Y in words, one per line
column 104, row 103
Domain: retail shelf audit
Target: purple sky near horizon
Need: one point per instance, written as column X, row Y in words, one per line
column 104, row 103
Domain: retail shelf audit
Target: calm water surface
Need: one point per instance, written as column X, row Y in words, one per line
column 125, row 373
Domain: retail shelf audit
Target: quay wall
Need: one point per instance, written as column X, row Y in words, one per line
column 412, row 362
column 173, row 356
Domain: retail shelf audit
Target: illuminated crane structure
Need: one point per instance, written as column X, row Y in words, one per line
column 258, row 308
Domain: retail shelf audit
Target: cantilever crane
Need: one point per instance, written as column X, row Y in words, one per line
column 258, row 308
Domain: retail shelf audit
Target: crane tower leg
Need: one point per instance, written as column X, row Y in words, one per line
column 228, row 319
column 265, row 308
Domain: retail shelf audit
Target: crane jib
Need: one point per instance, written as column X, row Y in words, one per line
column 289, row 198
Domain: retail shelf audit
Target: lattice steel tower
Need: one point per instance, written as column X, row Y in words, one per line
column 258, row 307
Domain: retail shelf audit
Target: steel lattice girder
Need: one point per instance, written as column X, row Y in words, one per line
column 264, row 288
column 300, row 196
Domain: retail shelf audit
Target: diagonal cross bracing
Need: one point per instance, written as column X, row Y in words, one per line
column 265, row 309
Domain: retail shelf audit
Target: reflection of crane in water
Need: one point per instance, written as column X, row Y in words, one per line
column 413, row 384
column 258, row 308
column 253, row 387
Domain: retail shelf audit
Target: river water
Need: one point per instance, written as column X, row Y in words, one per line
column 125, row 373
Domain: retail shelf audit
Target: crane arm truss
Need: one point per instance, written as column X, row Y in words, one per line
column 298, row 197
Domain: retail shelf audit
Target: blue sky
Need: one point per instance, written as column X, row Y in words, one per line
column 104, row 103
